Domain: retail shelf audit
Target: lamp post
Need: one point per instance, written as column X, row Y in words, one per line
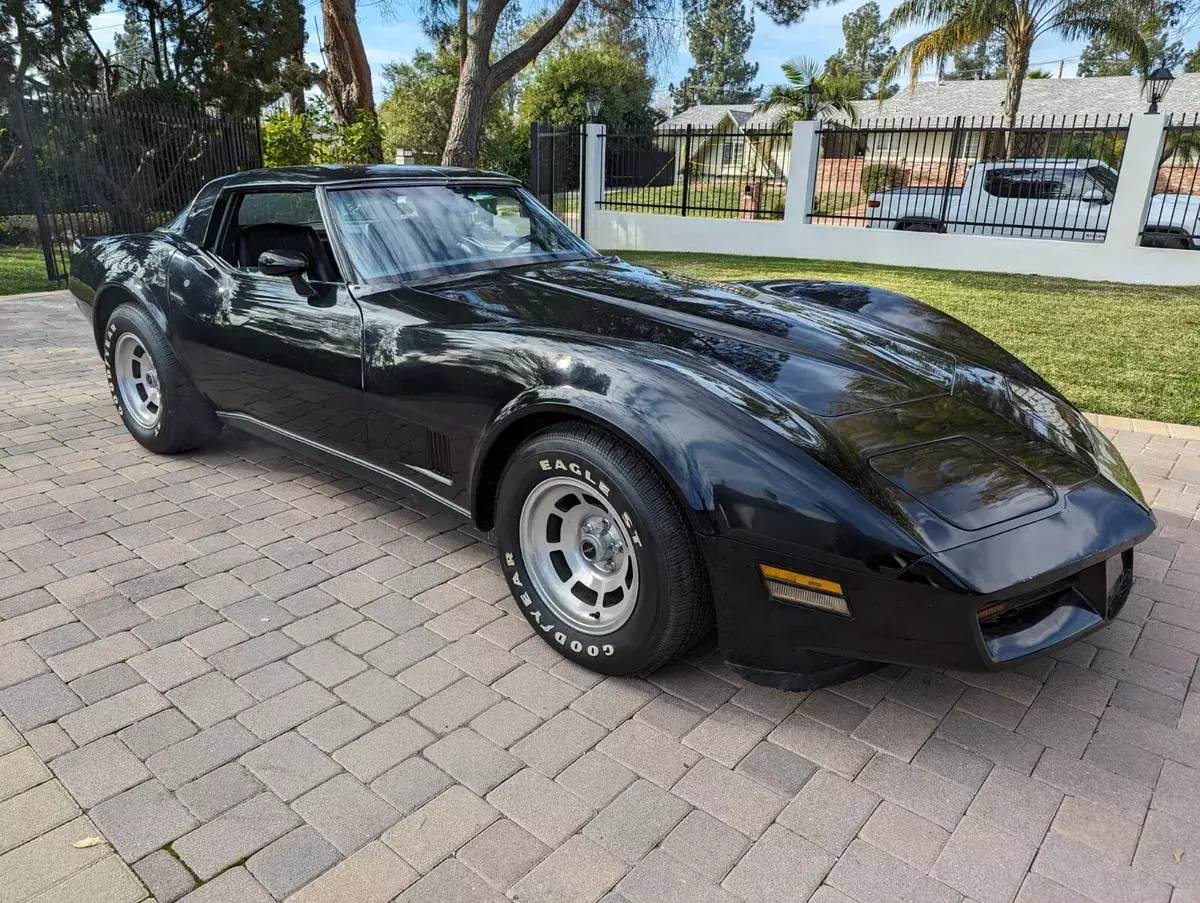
column 593, row 106
column 1158, row 83
column 812, row 100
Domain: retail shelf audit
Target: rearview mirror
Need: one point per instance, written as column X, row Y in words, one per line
column 1095, row 197
column 291, row 264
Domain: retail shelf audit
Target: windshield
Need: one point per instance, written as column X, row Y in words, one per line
column 403, row 233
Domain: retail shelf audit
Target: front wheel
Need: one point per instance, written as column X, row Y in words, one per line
column 598, row 553
column 156, row 399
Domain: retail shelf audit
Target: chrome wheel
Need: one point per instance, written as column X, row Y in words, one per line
column 137, row 380
column 578, row 555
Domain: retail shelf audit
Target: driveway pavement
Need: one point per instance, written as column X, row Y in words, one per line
column 252, row 679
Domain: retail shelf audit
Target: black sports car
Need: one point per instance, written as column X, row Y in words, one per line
column 838, row 475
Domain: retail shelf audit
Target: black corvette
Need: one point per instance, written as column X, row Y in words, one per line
column 836, row 474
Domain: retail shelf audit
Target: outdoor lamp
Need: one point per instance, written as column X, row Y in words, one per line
column 1158, row 83
column 593, row 106
column 812, row 99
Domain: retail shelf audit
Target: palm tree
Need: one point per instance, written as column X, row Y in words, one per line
column 956, row 25
column 837, row 92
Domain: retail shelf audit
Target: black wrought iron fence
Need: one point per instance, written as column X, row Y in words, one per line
column 1045, row 177
column 556, row 170
column 1173, row 214
column 98, row 167
column 693, row 171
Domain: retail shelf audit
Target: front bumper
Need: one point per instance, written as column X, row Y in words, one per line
column 905, row 620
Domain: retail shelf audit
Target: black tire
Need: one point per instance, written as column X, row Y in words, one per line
column 920, row 226
column 1163, row 239
column 185, row 420
column 672, row 609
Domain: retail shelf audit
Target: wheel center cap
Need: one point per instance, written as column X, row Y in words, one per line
column 152, row 379
column 588, row 549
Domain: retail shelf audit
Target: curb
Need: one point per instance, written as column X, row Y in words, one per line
column 1152, row 427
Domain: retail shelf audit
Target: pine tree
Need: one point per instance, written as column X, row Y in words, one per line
column 1155, row 20
column 719, row 36
column 867, row 51
column 131, row 55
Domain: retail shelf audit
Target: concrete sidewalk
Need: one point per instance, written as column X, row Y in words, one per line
column 258, row 680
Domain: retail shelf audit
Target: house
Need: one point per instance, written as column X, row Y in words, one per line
column 729, row 142
column 920, row 123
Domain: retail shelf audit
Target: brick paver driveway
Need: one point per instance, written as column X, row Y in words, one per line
column 260, row 675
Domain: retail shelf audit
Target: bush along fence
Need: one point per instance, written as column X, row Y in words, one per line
column 1090, row 197
column 94, row 167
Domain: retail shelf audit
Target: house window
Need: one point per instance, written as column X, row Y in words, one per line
column 889, row 142
column 731, row 151
column 970, row 148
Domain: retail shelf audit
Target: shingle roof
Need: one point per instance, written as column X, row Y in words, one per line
column 706, row 115
column 1039, row 97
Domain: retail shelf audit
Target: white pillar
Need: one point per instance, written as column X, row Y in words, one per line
column 802, row 171
column 592, row 188
column 1139, row 171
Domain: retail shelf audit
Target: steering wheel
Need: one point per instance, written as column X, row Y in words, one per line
column 517, row 242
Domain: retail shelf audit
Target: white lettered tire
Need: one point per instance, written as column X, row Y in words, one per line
column 598, row 553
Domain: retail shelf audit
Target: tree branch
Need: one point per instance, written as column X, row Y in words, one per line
column 509, row 66
column 11, row 161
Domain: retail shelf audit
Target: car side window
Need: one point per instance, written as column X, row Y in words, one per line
column 276, row 220
column 1025, row 184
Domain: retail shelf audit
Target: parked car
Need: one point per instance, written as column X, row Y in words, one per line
column 1042, row 198
column 835, row 474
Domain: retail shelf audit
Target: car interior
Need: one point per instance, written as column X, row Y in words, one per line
column 278, row 221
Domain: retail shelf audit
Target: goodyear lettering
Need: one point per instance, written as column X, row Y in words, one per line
column 545, row 465
column 510, row 560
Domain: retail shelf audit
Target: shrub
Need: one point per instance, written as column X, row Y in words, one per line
column 287, row 140
column 882, row 177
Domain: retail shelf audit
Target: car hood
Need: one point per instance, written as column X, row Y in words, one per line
column 825, row 362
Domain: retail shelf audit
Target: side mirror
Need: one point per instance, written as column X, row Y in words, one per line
column 291, row 264
column 1095, row 197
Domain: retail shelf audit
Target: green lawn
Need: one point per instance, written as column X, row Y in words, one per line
column 1114, row 349
column 22, row 270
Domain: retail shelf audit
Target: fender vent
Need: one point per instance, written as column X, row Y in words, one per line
column 439, row 452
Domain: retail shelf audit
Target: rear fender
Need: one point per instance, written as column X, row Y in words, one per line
column 113, row 293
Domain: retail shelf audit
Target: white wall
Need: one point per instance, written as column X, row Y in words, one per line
column 1119, row 258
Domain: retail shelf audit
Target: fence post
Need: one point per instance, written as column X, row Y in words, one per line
column 1139, row 172
column 533, row 158
column 687, row 168
column 952, row 165
column 802, row 171
column 35, row 188
column 591, row 194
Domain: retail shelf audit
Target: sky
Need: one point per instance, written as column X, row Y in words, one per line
column 391, row 32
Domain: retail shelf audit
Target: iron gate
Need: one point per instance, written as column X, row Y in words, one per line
column 101, row 167
column 556, row 170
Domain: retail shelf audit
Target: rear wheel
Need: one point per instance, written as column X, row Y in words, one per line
column 598, row 553
column 156, row 399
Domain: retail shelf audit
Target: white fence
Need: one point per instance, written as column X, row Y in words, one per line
column 1118, row 258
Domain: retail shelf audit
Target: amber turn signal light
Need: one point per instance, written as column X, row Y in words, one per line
column 803, row 589
column 988, row 610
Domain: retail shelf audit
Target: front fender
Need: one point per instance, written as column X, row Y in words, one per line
column 739, row 466
column 541, row 404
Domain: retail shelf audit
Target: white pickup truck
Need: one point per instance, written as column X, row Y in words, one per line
column 1040, row 198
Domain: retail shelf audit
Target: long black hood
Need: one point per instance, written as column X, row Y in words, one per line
column 826, row 362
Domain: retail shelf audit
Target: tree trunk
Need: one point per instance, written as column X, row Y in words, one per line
column 348, row 78
column 1016, row 65
column 297, row 103
column 478, row 80
column 470, row 103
